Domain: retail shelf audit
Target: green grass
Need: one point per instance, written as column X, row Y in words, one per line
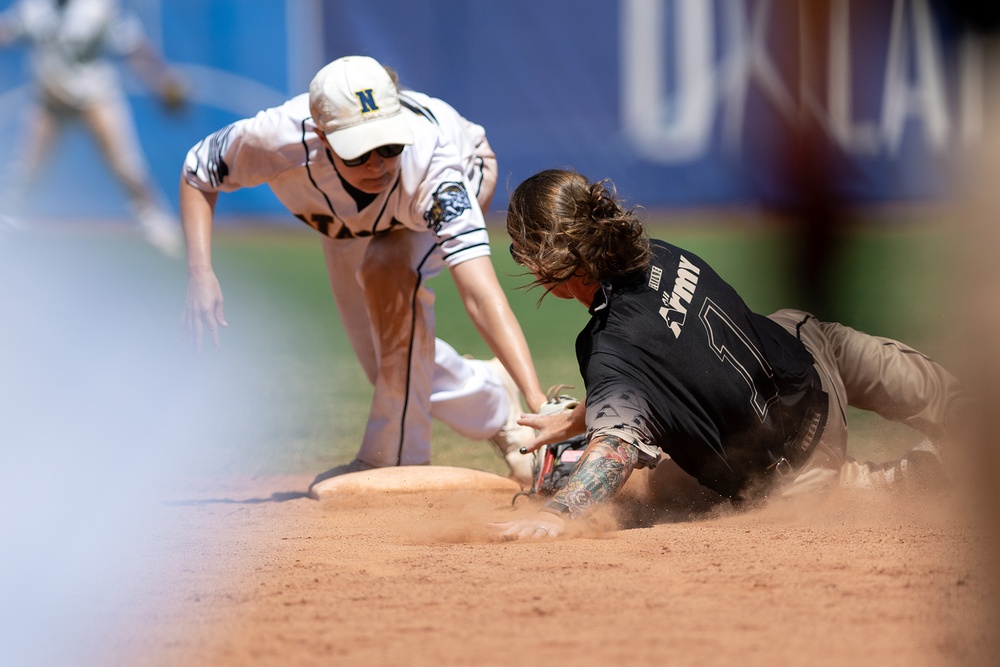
column 285, row 394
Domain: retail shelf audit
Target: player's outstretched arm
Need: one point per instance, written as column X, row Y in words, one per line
column 157, row 75
column 490, row 312
column 203, row 308
column 606, row 465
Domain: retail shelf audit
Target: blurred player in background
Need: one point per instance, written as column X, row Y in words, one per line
column 675, row 362
column 396, row 184
column 72, row 42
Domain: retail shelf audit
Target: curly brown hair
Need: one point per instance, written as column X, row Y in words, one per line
column 562, row 225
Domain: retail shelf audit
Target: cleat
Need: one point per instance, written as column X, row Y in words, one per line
column 162, row 231
column 919, row 471
column 923, row 470
column 357, row 465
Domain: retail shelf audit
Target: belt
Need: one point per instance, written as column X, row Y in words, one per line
column 799, row 447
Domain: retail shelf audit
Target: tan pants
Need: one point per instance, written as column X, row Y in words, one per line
column 870, row 373
column 857, row 370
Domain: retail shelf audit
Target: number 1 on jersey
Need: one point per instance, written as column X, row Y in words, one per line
column 733, row 346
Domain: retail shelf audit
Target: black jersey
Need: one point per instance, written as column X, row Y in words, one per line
column 678, row 362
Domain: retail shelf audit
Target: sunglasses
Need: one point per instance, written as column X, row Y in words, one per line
column 392, row 150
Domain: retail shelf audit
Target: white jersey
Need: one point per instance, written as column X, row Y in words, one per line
column 465, row 134
column 280, row 147
column 72, row 44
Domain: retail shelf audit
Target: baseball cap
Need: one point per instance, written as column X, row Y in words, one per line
column 354, row 102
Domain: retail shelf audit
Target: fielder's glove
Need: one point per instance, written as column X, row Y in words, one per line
column 557, row 401
column 553, row 463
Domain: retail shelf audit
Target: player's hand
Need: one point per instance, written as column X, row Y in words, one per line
column 550, row 429
column 173, row 93
column 542, row 526
column 203, row 310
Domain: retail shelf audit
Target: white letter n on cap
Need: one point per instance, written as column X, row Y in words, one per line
column 367, row 101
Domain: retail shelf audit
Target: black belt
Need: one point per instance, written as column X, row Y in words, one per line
column 799, row 447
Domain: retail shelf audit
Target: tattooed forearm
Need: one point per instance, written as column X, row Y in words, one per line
column 601, row 473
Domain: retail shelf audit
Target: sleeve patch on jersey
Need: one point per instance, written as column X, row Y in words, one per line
column 450, row 201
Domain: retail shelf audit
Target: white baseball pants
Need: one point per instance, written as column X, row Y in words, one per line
column 380, row 288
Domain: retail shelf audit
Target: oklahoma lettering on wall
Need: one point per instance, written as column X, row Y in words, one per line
column 681, row 102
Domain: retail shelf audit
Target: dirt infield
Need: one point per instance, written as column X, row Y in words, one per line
column 237, row 578
column 99, row 568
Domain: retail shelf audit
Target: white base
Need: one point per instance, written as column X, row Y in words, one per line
column 412, row 479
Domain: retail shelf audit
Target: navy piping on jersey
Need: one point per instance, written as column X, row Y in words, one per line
column 354, row 192
column 463, row 248
column 305, row 147
column 419, row 110
column 409, row 353
column 429, row 115
column 482, row 176
column 467, row 231
column 399, row 177
column 361, row 199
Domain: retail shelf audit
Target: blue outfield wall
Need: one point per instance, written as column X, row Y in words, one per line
column 681, row 102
